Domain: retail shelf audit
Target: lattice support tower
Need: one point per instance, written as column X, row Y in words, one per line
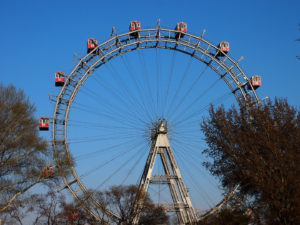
column 181, row 204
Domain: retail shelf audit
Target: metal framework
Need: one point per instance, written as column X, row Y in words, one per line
column 195, row 46
column 182, row 203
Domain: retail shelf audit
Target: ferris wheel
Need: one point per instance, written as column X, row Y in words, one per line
column 129, row 113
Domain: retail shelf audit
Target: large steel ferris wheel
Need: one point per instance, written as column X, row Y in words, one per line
column 158, row 106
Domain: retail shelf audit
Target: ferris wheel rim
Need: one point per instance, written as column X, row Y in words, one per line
column 66, row 99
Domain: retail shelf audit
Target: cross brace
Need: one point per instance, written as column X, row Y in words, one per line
column 181, row 204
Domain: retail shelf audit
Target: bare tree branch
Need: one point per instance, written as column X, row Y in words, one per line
column 23, row 154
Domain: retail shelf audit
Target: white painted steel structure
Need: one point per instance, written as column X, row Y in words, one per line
column 197, row 47
column 182, row 203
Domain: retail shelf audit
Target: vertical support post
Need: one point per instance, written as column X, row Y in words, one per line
column 182, row 204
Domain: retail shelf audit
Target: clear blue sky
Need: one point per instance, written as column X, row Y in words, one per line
column 39, row 38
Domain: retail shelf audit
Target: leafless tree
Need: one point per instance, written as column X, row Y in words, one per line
column 122, row 200
column 16, row 213
column 46, row 208
column 258, row 148
column 22, row 152
column 51, row 208
column 73, row 214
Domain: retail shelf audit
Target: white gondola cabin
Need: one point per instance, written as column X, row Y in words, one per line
column 48, row 171
column 255, row 82
column 92, row 43
column 44, row 123
column 223, row 48
column 182, row 28
column 134, row 26
column 59, row 79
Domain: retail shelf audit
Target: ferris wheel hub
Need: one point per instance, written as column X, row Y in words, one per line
column 159, row 127
column 162, row 128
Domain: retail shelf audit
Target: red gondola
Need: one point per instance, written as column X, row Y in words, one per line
column 182, row 27
column 48, row 171
column 73, row 215
column 275, row 126
column 59, row 79
column 255, row 82
column 44, row 123
column 249, row 213
column 92, row 43
column 224, row 47
column 134, row 26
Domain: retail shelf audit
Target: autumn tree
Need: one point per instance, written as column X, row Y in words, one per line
column 22, row 152
column 258, row 148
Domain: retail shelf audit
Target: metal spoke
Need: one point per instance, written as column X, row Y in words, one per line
column 119, row 114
